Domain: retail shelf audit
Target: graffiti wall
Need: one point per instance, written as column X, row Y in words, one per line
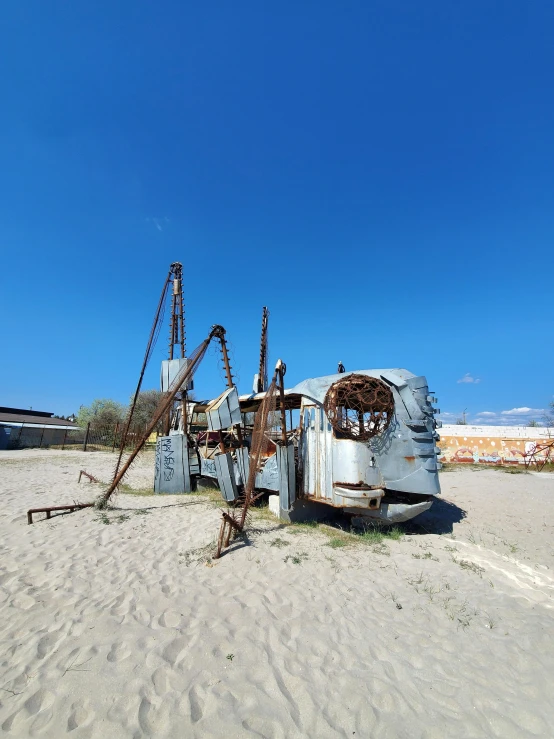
column 490, row 444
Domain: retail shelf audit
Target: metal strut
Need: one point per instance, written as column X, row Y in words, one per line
column 177, row 318
column 233, row 523
column 262, row 371
column 176, row 333
column 220, row 334
column 181, row 380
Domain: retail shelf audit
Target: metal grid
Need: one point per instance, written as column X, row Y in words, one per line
column 359, row 407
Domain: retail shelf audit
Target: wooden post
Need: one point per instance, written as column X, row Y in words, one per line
column 86, row 437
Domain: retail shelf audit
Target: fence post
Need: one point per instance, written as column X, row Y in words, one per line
column 86, row 437
column 41, row 438
column 64, row 438
column 115, row 436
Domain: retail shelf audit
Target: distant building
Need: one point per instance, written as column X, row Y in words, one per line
column 20, row 429
column 490, row 444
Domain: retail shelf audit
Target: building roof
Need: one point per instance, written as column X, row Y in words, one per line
column 27, row 412
column 17, row 416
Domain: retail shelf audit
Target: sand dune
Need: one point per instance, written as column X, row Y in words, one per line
column 117, row 624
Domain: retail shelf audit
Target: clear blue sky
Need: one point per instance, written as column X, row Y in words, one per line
column 379, row 173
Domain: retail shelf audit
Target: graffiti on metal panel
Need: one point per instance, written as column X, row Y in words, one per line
column 158, row 461
column 168, row 459
column 207, row 467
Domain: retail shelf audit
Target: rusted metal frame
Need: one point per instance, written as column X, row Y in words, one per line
column 172, row 338
column 249, row 492
column 230, row 384
column 182, row 317
column 172, row 327
column 281, row 373
column 226, row 363
column 86, row 474
column 361, row 486
column 231, row 521
column 149, row 347
column 262, row 371
column 532, row 457
column 228, row 525
column 368, row 400
column 184, row 411
column 166, row 403
column 238, row 523
column 176, row 324
column 48, row 511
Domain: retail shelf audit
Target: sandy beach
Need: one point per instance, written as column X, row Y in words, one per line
column 118, row 623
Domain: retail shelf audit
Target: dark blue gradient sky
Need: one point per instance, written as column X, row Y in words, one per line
column 380, row 174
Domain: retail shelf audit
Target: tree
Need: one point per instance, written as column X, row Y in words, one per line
column 533, row 424
column 549, row 417
column 147, row 402
column 101, row 412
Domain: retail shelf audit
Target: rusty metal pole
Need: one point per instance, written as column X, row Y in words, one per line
column 226, row 361
column 230, row 384
column 172, row 324
column 182, row 314
column 86, row 437
column 281, row 372
column 64, row 438
column 195, row 360
column 184, row 411
column 262, row 371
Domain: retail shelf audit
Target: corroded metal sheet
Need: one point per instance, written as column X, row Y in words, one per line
column 170, row 369
column 268, row 478
column 224, row 411
column 243, row 463
column 171, row 473
column 225, row 472
column 287, row 476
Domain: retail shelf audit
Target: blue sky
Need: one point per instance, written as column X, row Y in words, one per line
column 380, row 174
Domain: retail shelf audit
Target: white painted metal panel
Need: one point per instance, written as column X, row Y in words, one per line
column 171, row 473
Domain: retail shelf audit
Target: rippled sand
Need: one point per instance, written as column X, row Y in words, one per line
column 115, row 625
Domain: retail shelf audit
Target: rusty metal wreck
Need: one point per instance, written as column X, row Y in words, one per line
column 365, row 442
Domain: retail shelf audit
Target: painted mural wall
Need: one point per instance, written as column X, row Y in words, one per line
column 490, row 444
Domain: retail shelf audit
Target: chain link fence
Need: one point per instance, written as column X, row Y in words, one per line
column 92, row 438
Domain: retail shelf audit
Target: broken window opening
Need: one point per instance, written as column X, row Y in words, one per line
column 359, row 407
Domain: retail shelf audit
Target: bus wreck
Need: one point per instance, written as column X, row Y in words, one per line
column 360, row 442
column 364, row 442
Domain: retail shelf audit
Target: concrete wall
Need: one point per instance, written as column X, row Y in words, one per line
column 489, row 444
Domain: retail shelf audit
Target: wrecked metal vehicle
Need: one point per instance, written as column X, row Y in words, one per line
column 364, row 442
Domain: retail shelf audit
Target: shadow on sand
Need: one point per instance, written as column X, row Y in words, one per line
column 439, row 519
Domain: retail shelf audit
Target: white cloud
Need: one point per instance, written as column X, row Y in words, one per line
column 468, row 378
column 514, row 417
column 524, row 411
